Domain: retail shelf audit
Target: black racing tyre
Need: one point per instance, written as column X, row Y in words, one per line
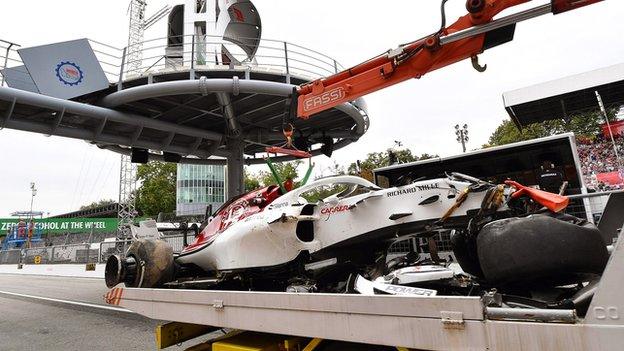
column 465, row 251
column 540, row 248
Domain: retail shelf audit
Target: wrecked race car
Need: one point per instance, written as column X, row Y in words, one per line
column 506, row 237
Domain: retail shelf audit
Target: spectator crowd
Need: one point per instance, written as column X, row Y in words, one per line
column 597, row 157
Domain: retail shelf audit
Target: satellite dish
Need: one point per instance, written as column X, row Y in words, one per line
column 238, row 22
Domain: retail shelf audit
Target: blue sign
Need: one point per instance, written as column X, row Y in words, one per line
column 69, row 73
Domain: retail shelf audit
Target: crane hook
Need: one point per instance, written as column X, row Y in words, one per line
column 475, row 64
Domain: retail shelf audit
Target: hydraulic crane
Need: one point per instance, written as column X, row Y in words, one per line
column 468, row 37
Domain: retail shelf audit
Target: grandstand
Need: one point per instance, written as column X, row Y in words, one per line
column 104, row 211
column 599, row 164
column 568, row 96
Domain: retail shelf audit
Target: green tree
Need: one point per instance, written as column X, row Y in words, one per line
column 97, row 204
column 507, row 133
column 376, row 160
column 251, row 181
column 586, row 125
column 285, row 170
column 158, row 188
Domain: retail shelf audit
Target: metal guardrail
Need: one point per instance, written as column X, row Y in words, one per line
column 76, row 253
column 592, row 204
column 210, row 52
column 8, row 57
column 199, row 52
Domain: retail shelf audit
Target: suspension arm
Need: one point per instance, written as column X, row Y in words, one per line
column 468, row 37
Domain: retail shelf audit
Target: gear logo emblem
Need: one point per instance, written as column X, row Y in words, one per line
column 69, row 73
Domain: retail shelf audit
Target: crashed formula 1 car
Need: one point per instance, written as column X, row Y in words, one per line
column 506, row 237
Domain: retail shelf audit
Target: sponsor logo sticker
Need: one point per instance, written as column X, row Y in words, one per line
column 326, row 98
column 414, row 189
column 335, row 209
column 69, row 73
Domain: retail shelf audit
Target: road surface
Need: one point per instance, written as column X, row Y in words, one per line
column 79, row 321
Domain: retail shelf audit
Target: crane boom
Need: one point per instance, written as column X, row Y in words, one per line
column 468, row 37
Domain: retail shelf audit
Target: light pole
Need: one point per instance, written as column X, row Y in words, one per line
column 462, row 135
column 606, row 117
column 33, row 191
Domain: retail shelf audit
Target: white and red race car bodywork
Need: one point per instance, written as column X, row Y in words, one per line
column 507, row 237
column 262, row 229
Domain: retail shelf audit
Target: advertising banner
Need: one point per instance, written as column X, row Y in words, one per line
column 64, row 70
column 617, row 128
column 19, row 78
column 65, row 225
column 612, row 178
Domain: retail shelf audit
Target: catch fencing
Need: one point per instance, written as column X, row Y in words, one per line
column 77, row 253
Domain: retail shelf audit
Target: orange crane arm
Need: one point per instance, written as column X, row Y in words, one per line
column 469, row 36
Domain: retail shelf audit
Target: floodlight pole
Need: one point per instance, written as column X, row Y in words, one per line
column 33, row 192
column 462, row 135
column 606, row 117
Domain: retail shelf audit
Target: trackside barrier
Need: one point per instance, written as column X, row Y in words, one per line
column 78, row 253
column 592, row 204
column 10, row 256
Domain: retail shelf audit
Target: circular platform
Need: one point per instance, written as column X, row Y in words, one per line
column 225, row 105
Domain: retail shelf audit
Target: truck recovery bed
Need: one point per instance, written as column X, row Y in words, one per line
column 425, row 323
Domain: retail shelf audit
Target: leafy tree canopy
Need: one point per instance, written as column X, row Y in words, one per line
column 97, row 204
column 376, row 160
column 586, row 125
column 285, row 170
column 158, row 188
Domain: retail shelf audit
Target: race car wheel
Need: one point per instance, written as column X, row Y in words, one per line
column 540, row 248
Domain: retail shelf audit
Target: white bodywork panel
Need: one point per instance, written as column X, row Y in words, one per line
column 269, row 238
column 417, row 274
column 147, row 229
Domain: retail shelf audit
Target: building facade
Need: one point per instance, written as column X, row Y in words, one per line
column 199, row 186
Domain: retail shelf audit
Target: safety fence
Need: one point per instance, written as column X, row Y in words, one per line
column 78, row 253
column 195, row 53
column 8, row 57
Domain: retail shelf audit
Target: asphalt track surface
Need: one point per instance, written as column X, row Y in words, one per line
column 57, row 313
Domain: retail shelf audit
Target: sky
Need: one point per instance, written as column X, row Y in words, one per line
column 420, row 113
